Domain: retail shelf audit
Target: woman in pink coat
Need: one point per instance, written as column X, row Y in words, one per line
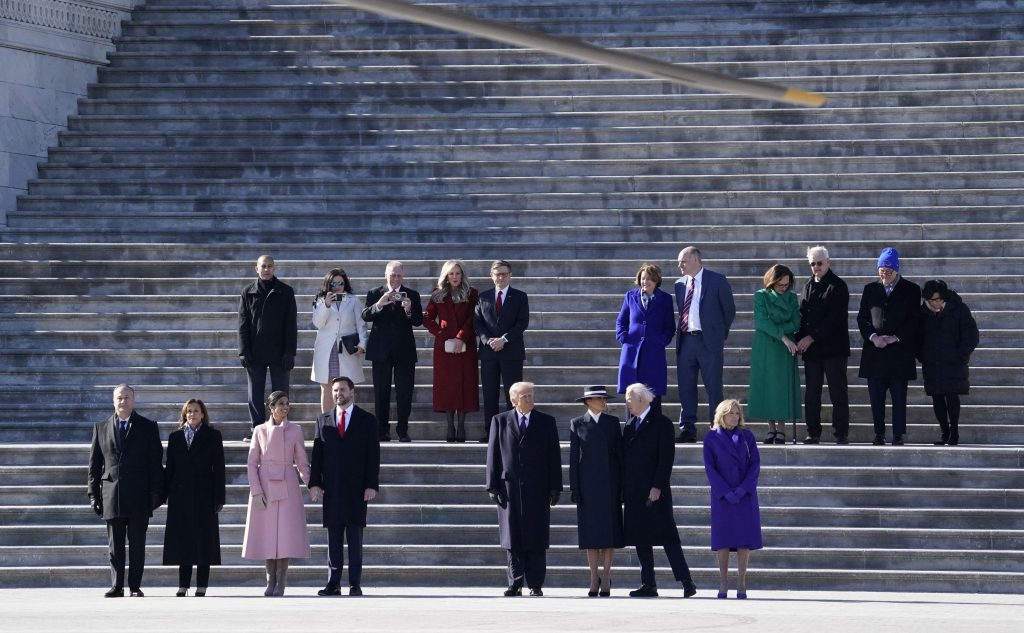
column 275, row 524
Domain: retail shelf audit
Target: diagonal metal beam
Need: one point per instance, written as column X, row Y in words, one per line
column 577, row 49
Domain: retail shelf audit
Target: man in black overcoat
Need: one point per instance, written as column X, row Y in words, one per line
column 501, row 317
column 824, row 343
column 647, row 456
column 393, row 310
column 126, row 485
column 524, row 477
column 344, row 472
column 890, row 311
column 267, row 335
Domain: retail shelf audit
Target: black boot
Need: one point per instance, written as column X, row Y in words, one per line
column 450, row 436
column 460, row 426
column 945, row 434
column 954, row 434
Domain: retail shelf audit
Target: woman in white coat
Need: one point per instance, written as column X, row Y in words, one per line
column 337, row 315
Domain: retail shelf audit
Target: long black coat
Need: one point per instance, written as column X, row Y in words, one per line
column 194, row 478
column 595, row 471
column 345, row 467
column 391, row 334
column 647, row 457
column 127, row 480
column 267, row 323
column 525, row 468
column 946, row 343
column 824, row 316
column 899, row 315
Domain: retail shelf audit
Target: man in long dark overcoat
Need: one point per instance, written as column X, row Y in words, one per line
column 648, row 451
column 126, row 484
column 524, row 477
column 345, row 471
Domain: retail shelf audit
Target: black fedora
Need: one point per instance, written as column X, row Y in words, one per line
column 596, row 391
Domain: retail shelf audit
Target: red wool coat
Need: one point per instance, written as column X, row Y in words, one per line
column 455, row 375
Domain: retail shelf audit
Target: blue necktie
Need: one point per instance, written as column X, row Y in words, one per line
column 522, row 424
column 122, row 431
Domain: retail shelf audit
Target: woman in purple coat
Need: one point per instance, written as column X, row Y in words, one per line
column 732, row 464
column 644, row 327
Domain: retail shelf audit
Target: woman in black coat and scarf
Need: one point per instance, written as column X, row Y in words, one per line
column 948, row 335
column 194, row 479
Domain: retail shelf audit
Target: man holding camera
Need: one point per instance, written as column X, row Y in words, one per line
column 267, row 335
column 393, row 310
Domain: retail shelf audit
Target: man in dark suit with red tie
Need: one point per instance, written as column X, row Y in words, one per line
column 393, row 310
column 524, row 478
column 126, row 484
column 502, row 316
column 344, row 472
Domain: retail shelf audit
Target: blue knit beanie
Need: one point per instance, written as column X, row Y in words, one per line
column 890, row 258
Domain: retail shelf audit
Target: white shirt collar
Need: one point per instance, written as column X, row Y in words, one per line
column 348, row 414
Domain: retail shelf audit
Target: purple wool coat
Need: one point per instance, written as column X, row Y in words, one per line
column 733, row 465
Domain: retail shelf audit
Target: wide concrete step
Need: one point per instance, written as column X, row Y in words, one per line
column 338, row 168
column 912, row 134
column 104, row 150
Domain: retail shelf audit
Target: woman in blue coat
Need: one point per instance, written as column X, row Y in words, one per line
column 732, row 464
column 644, row 327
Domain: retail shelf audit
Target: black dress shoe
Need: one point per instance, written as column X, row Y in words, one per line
column 355, row 590
column 484, row 439
column 200, row 592
column 897, row 440
column 513, row 591
column 842, row 441
column 686, row 438
column 879, row 440
column 114, row 592
column 645, row 591
column 404, row 438
column 385, row 438
column 812, row 440
column 536, row 592
column 330, row 590
column 137, row 593
column 182, row 592
column 689, row 589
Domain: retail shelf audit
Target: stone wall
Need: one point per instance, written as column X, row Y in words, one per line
column 49, row 51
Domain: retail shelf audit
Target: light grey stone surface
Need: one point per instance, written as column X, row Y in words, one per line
column 49, row 50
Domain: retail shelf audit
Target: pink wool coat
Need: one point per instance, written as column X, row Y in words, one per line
column 279, row 530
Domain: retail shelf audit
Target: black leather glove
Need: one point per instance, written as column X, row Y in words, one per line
column 575, row 497
column 288, row 362
column 499, row 499
column 245, row 360
column 97, row 507
column 156, row 500
column 555, row 494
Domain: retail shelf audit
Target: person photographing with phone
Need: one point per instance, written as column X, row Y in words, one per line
column 393, row 310
column 341, row 336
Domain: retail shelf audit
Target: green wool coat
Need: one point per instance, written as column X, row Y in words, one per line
column 774, row 378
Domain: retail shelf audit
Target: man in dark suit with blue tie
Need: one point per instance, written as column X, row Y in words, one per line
column 524, row 478
column 706, row 312
column 502, row 316
column 344, row 472
column 126, row 484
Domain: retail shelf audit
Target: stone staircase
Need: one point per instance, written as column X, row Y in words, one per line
column 323, row 135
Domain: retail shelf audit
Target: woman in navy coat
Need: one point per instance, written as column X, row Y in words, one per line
column 732, row 464
column 644, row 327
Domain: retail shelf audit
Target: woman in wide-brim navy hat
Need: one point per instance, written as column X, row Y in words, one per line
column 594, row 480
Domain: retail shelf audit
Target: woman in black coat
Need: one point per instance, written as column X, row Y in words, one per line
column 948, row 335
column 595, row 458
column 194, row 479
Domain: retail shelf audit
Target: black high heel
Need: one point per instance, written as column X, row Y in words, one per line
column 607, row 591
column 593, row 593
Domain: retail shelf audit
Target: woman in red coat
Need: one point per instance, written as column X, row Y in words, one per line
column 449, row 317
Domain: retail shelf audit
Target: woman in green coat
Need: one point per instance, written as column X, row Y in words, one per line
column 774, row 378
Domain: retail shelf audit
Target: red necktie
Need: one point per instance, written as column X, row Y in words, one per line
column 684, row 312
column 341, row 425
column 497, row 304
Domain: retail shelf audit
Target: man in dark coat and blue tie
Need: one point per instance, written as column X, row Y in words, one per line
column 524, row 477
column 344, row 472
column 126, row 484
column 648, row 452
column 706, row 312
column 501, row 317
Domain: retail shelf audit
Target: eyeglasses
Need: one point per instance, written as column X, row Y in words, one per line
column 500, row 275
column 336, row 284
column 816, row 264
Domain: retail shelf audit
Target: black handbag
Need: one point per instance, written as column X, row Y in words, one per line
column 351, row 342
